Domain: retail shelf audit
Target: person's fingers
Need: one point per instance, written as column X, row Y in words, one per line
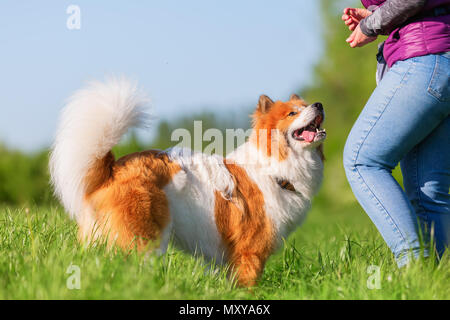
column 352, row 27
column 351, row 38
column 354, row 39
column 354, row 43
column 359, row 39
column 354, row 14
column 359, row 42
column 362, row 13
column 347, row 10
column 352, row 17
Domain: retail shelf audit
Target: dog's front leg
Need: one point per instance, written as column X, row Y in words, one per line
column 248, row 268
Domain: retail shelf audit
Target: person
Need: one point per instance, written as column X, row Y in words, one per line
column 406, row 121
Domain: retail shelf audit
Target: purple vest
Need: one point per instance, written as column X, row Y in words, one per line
column 426, row 36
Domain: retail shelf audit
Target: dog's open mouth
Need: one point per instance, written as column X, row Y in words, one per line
column 312, row 132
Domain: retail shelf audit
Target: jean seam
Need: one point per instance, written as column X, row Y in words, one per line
column 384, row 109
column 433, row 80
column 371, row 193
column 417, row 179
column 387, row 216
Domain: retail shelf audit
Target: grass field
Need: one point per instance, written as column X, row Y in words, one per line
column 332, row 256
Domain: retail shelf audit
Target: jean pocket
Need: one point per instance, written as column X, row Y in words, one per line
column 440, row 81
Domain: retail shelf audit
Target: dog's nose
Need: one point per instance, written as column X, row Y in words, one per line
column 318, row 106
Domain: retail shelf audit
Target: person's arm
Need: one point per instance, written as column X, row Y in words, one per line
column 389, row 16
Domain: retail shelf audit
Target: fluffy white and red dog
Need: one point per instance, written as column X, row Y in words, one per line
column 234, row 210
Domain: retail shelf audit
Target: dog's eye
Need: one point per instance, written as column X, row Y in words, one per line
column 293, row 113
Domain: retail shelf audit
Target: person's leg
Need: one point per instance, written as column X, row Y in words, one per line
column 426, row 178
column 398, row 116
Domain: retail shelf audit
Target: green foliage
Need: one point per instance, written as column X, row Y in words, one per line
column 24, row 178
column 329, row 258
column 206, row 120
column 343, row 81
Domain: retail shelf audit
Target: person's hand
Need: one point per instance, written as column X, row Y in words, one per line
column 353, row 16
column 359, row 39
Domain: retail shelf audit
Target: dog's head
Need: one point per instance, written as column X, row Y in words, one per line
column 288, row 127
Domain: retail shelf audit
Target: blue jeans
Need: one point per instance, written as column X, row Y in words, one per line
column 406, row 120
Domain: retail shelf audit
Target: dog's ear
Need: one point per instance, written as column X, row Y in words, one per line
column 265, row 103
column 295, row 97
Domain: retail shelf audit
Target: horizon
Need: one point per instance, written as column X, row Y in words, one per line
column 183, row 55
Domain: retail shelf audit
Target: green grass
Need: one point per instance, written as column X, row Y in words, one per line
column 327, row 258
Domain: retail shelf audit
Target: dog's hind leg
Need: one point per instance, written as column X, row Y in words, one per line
column 132, row 216
column 165, row 239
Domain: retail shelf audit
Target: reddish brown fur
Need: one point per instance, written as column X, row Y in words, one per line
column 271, row 116
column 130, row 206
column 245, row 227
column 99, row 173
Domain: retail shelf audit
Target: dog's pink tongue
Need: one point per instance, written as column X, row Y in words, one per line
column 308, row 135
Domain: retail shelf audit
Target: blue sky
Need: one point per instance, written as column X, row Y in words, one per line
column 187, row 55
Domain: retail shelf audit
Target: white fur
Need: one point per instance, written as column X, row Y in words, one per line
column 92, row 122
column 191, row 195
column 302, row 168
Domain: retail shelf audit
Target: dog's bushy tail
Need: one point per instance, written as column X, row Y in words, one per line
column 93, row 121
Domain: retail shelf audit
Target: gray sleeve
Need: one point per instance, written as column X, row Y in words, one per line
column 390, row 15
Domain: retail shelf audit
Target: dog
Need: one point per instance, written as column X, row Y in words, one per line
column 234, row 210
